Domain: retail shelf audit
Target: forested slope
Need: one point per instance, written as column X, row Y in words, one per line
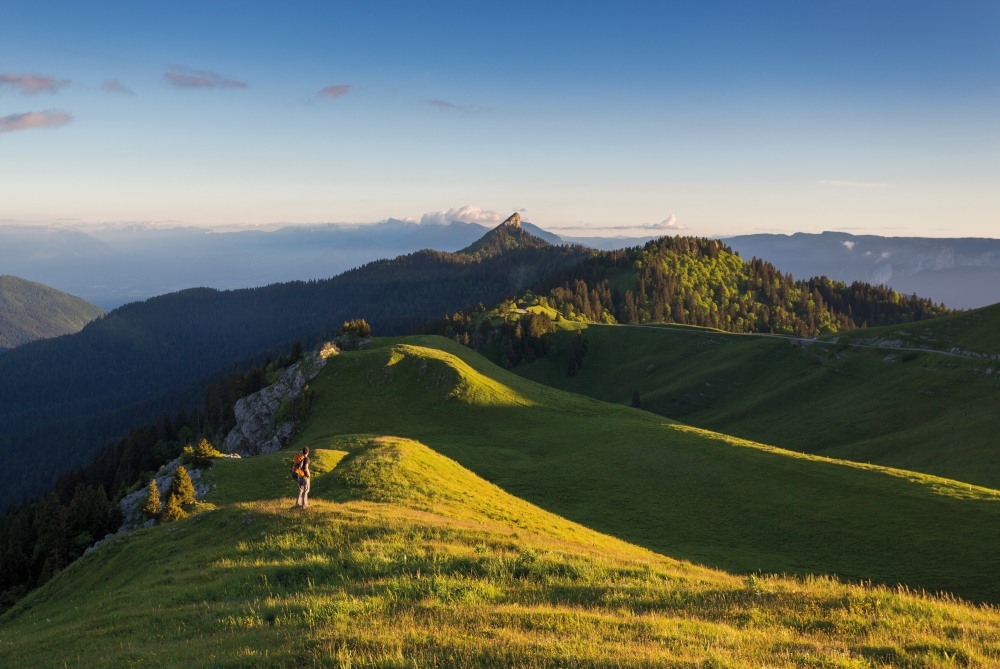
column 68, row 397
column 30, row 311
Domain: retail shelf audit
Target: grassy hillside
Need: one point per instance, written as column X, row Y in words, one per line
column 30, row 311
column 407, row 559
column 974, row 332
column 915, row 410
column 676, row 490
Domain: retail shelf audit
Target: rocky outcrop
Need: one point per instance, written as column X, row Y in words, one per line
column 513, row 221
column 132, row 517
column 259, row 428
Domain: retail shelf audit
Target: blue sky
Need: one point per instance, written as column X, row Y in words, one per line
column 708, row 118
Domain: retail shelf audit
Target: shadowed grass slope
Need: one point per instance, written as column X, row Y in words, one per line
column 916, row 410
column 419, row 562
column 679, row 491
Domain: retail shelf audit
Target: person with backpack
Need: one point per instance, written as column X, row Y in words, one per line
column 300, row 472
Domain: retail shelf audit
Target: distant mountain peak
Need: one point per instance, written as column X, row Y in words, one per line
column 507, row 236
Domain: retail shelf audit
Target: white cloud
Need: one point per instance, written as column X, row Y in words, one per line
column 848, row 243
column 669, row 224
column 467, row 214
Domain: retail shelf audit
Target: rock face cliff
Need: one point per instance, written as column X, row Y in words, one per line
column 258, row 428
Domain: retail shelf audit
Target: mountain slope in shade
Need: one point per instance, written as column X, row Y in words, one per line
column 31, row 311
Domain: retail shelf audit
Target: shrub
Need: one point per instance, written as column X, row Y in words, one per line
column 201, row 455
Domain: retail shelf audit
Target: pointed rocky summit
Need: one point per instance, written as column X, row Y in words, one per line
column 506, row 236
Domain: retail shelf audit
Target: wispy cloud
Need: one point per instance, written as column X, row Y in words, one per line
column 669, row 224
column 31, row 84
column 29, row 120
column 335, row 91
column 115, row 86
column 842, row 183
column 179, row 76
column 446, row 106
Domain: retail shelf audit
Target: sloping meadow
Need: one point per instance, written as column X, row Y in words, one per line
column 408, row 559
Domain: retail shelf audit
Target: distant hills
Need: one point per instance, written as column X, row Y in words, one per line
column 71, row 395
column 963, row 273
column 30, row 311
column 406, row 433
column 116, row 264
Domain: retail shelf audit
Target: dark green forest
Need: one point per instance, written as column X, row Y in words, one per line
column 70, row 395
column 40, row 537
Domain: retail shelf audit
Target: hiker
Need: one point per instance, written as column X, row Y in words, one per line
column 303, row 467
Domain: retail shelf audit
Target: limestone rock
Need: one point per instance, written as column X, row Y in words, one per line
column 257, row 428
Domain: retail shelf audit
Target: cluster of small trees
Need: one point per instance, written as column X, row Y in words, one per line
column 180, row 495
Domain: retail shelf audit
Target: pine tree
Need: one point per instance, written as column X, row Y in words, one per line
column 181, row 487
column 172, row 510
column 152, row 505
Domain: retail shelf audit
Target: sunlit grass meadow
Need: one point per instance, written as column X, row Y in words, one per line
column 687, row 493
column 408, row 560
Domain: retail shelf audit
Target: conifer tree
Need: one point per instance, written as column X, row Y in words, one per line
column 181, row 486
column 152, row 505
column 172, row 510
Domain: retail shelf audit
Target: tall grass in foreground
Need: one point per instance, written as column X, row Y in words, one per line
column 423, row 564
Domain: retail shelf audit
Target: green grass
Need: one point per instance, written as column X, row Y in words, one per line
column 913, row 410
column 406, row 559
column 681, row 492
column 976, row 331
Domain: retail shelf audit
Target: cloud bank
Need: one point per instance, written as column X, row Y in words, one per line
column 29, row 120
column 179, row 76
column 31, row 84
column 467, row 214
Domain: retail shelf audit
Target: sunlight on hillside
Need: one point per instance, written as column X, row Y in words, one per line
column 408, row 559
